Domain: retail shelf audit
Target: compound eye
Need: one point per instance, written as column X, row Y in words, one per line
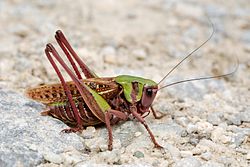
column 149, row 92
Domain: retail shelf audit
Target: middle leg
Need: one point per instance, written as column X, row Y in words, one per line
column 108, row 116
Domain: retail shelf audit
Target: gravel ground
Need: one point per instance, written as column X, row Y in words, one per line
column 207, row 123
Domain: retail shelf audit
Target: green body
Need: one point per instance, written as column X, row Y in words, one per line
column 126, row 82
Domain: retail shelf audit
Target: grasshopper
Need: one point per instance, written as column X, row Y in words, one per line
column 95, row 100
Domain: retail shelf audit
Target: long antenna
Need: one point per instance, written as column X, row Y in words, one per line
column 203, row 78
column 190, row 53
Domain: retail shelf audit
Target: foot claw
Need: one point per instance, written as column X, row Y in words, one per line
column 110, row 147
column 158, row 146
column 72, row 130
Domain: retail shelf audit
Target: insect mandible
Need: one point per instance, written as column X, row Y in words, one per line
column 87, row 102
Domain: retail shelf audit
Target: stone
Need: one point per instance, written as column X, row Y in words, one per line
column 53, row 158
column 245, row 116
column 214, row 118
column 206, row 156
column 197, row 151
column 111, row 59
column 89, row 132
column 204, row 127
column 175, row 153
column 212, row 164
column 183, row 121
column 238, row 139
column 137, row 134
column 109, row 157
column 217, row 134
column 188, row 162
column 186, row 9
column 138, row 154
column 109, row 54
column 248, row 155
column 73, row 157
column 246, row 37
column 234, row 119
column 96, row 144
column 191, row 128
column 185, row 154
column 27, row 138
column 140, row 54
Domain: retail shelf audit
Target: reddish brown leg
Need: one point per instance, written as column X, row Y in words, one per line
column 155, row 114
column 50, row 49
column 140, row 119
column 146, row 114
column 107, row 122
column 66, row 47
column 108, row 116
column 67, row 54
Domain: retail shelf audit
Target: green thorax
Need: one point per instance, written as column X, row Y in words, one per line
column 126, row 82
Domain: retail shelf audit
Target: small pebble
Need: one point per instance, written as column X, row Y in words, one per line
column 109, row 54
column 225, row 139
column 73, row 157
column 108, row 157
column 217, row 134
column 53, row 158
column 175, row 153
column 164, row 163
column 186, row 9
column 95, row 144
column 197, row 151
column 234, row 119
column 212, row 164
column 238, row 139
column 191, row 128
column 248, row 156
column 245, row 116
column 185, row 154
column 111, row 59
column 214, row 118
column 206, row 156
column 138, row 154
column 204, row 127
column 188, row 162
column 88, row 133
column 155, row 163
column 241, row 150
column 140, row 54
column 137, row 134
column 183, row 121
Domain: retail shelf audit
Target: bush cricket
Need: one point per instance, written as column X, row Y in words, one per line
column 88, row 102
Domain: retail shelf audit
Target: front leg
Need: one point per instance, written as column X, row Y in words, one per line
column 133, row 109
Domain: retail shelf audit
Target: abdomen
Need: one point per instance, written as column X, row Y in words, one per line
column 53, row 95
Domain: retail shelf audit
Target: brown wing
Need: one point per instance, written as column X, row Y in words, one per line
column 54, row 93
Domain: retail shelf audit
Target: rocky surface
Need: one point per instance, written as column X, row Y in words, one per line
column 207, row 123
